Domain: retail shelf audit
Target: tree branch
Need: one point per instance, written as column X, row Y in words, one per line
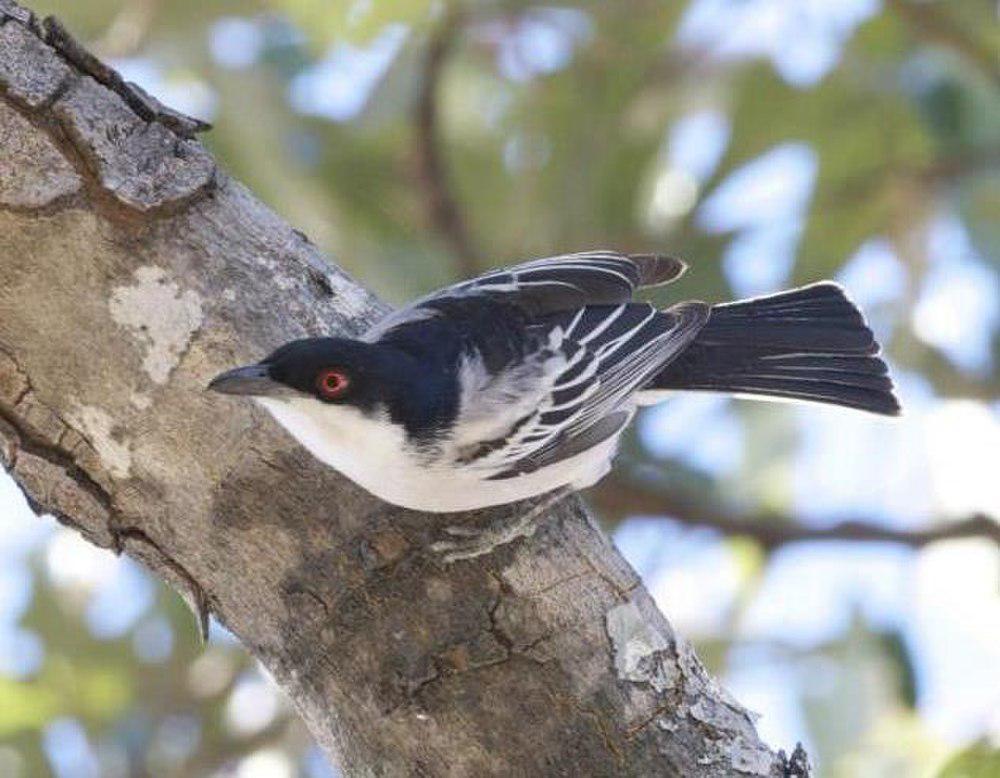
column 132, row 271
column 128, row 30
column 934, row 26
column 620, row 496
column 951, row 166
column 443, row 211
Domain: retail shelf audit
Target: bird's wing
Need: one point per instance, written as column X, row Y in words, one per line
column 551, row 285
column 605, row 354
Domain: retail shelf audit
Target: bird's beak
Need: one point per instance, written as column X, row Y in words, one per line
column 252, row 380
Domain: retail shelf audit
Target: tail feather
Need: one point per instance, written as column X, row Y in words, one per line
column 807, row 344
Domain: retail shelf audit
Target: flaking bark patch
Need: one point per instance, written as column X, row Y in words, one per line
column 98, row 428
column 33, row 174
column 639, row 649
column 29, row 70
column 160, row 316
column 142, row 164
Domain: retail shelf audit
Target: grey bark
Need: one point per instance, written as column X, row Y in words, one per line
column 131, row 271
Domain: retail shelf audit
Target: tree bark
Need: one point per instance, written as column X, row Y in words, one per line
column 132, row 270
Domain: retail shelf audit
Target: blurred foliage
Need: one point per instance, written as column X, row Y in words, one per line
column 152, row 700
column 980, row 761
column 555, row 127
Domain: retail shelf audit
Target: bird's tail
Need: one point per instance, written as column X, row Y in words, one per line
column 806, row 344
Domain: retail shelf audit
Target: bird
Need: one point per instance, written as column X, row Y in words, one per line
column 519, row 383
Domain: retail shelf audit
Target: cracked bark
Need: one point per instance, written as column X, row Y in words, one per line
column 131, row 271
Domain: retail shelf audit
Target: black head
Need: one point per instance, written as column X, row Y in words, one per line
column 415, row 392
column 331, row 370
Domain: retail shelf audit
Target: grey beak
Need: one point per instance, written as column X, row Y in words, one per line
column 253, row 380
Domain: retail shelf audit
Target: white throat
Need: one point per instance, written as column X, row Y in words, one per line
column 340, row 436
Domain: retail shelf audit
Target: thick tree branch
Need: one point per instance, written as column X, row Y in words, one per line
column 619, row 496
column 131, row 271
column 443, row 211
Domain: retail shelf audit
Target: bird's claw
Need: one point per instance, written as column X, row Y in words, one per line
column 464, row 532
column 469, row 543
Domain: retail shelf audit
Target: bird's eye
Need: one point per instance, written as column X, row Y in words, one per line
column 332, row 383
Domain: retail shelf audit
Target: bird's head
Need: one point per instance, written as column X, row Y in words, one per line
column 313, row 383
column 332, row 371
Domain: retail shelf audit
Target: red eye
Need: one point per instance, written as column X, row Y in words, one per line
column 332, row 383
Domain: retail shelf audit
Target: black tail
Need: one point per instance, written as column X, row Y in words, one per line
column 807, row 344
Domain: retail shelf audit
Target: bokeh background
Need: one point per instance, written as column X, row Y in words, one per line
column 769, row 143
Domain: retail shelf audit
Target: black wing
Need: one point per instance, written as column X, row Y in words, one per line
column 609, row 353
column 545, row 286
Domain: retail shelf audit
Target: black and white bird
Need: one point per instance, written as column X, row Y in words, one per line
column 520, row 382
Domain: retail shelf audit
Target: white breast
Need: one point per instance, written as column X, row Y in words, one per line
column 367, row 450
column 375, row 454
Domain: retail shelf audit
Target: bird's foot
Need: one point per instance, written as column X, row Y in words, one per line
column 467, row 542
column 470, row 542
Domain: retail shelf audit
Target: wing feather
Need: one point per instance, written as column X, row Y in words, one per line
column 589, row 399
column 540, row 287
